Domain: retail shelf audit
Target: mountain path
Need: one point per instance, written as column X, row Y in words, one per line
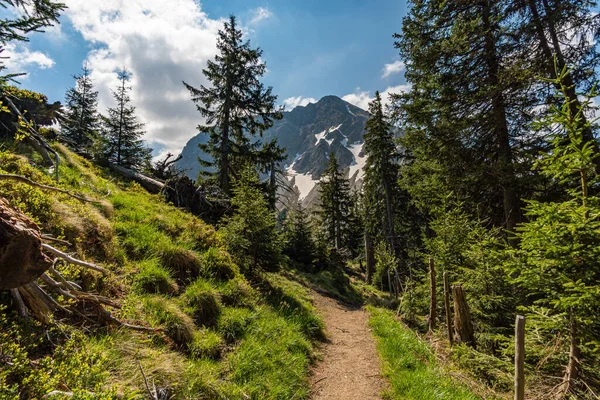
column 350, row 368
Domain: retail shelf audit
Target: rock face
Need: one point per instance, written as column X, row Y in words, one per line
column 21, row 257
column 309, row 134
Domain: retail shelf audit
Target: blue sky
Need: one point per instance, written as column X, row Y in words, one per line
column 312, row 48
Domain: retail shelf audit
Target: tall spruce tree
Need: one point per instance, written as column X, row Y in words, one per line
column 236, row 107
column 123, row 131
column 467, row 111
column 381, row 190
column 336, row 205
column 82, row 122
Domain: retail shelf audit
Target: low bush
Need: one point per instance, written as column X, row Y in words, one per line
column 218, row 265
column 154, row 279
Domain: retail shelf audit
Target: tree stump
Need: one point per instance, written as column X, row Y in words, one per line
column 21, row 258
column 462, row 317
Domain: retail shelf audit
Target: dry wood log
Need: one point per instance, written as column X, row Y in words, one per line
column 22, row 179
column 150, row 184
column 21, row 257
column 462, row 317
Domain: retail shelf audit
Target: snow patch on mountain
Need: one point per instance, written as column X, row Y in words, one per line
column 349, row 110
column 359, row 161
column 322, row 135
column 303, row 182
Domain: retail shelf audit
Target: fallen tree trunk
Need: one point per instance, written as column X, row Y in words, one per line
column 150, row 184
column 21, row 257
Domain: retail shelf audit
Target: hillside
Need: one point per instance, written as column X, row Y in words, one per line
column 217, row 334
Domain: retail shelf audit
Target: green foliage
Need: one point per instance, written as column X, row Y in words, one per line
column 250, row 233
column 234, row 322
column 82, row 122
column 166, row 313
column 206, row 344
column 556, row 262
column 409, row 364
column 122, row 133
column 217, row 264
column 154, row 279
column 336, row 205
column 202, row 299
column 29, row 373
column 299, row 244
column 237, row 292
column 235, row 107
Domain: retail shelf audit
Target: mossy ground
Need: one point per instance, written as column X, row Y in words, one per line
column 220, row 337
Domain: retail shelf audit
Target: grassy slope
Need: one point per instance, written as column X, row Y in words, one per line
column 221, row 337
column 409, row 364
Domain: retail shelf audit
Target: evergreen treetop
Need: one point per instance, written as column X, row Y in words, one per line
column 236, row 106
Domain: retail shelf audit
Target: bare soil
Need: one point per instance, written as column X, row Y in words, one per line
column 351, row 367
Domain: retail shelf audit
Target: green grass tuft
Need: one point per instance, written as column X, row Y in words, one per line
column 409, row 364
column 238, row 293
column 234, row 322
column 202, row 300
column 177, row 324
column 154, row 279
column 206, row 344
column 217, row 264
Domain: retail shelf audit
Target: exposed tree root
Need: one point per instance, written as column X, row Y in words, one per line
column 24, row 259
column 22, row 179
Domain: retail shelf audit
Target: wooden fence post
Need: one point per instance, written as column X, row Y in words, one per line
column 520, row 358
column 447, row 308
column 462, row 317
column 433, row 296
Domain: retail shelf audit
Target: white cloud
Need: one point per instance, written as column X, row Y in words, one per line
column 362, row 98
column 161, row 46
column 260, row 14
column 20, row 58
column 293, row 102
column 393, row 68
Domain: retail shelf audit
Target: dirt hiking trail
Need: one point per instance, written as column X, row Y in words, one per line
column 350, row 368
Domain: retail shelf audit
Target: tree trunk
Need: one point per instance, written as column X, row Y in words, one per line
column 433, row 296
column 21, row 257
column 499, row 122
column 150, row 184
column 369, row 257
column 462, row 317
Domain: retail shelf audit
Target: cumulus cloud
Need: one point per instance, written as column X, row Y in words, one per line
column 362, row 98
column 161, row 46
column 393, row 68
column 259, row 14
column 293, row 102
column 20, row 58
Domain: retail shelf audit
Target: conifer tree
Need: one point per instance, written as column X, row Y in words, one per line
column 81, row 124
column 123, row 131
column 251, row 233
column 299, row 244
column 381, row 176
column 236, row 107
column 336, row 205
column 557, row 262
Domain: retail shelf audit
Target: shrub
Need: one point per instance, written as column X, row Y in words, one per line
column 206, row 344
column 202, row 300
column 233, row 323
column 178, row 325
column 154, row 279
column 200, row 236
column 217, row 264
